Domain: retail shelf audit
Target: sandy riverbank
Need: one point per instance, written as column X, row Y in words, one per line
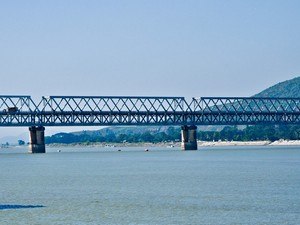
column 112, row 145
column 177, row 144
column 249, row 143
column 233, row 143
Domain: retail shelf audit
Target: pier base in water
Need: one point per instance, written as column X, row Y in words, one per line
column 37, row 140
column 189, row 137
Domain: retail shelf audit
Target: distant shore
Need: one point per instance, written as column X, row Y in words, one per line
column 103, row 145
column 172, row 144
column 249, row 143
column 177, row 144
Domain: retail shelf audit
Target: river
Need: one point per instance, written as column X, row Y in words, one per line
column 221, row 185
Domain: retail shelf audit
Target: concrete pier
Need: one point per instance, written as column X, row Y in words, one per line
column 189, row 137
column 37, row 140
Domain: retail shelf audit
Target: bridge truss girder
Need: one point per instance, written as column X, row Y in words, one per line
column 117, row 111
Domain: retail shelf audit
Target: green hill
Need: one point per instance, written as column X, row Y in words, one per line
column 287, row 89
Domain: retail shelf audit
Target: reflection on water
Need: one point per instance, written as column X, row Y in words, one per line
column 2, row 207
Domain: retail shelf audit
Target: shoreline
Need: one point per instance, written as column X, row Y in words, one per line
column 280, row 142
column 178, row 144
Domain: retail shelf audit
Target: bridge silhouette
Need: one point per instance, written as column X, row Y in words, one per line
column 143, row 111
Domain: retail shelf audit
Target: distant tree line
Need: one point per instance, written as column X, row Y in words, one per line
column 229, row 133
column 171, row 134
column 253, row 133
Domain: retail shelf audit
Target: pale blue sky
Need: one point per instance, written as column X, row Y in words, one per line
column 164, row 47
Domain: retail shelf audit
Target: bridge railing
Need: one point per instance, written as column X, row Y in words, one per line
column 15, row 104
column 98, row 104
column 245, row 105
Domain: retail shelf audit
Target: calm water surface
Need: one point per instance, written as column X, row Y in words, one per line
column 239, row 185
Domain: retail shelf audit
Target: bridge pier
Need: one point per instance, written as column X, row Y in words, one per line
column 189, row 137
column 37, row 140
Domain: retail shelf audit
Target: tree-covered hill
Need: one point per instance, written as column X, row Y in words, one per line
column 286, row 89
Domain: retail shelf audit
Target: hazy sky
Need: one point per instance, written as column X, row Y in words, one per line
column 164, row 47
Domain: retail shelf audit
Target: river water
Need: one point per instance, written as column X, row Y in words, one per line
column 223, row 185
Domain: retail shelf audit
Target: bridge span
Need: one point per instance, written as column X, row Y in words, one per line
column 143, row 111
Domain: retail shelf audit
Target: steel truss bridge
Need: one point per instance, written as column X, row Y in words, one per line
column 122, row 110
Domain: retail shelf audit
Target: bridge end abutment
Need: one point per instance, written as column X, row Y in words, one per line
column 189, row 137
column 37, row 140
